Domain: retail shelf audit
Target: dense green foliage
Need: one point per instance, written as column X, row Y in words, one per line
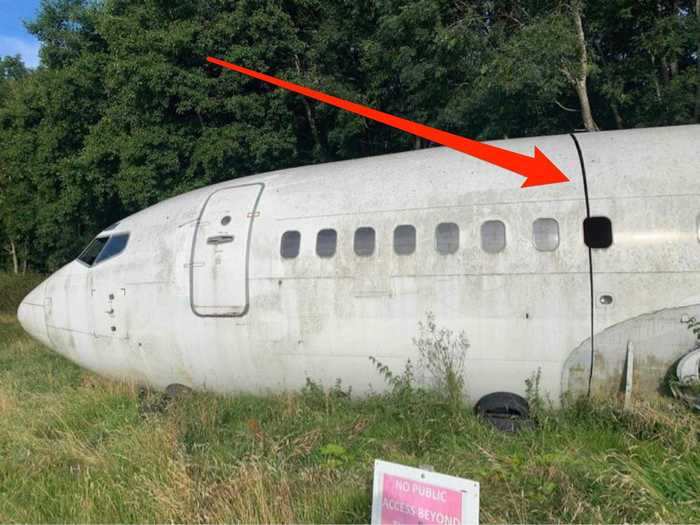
column 125, row 111
column 80, row 449
column 14, row 288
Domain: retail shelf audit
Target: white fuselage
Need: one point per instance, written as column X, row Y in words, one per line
column 202, row 296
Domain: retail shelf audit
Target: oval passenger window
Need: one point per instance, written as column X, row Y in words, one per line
column 364, row 241
column 447, row 238
column 326, row 241
column 289, row 245
column 404, row 239
column 545, row 234
column 493, row 236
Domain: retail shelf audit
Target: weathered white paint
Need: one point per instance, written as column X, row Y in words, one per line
column 173, row 308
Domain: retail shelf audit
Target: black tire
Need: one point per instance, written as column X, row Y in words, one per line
column 177, row 391
column 506, row 411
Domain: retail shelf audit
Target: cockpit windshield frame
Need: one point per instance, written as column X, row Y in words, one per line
column 103, row 248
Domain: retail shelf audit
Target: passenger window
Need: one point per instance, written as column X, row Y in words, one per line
column 115, row 245
column 597, row 232
column 404, row 239
column 93, row 250
column 289, row 246
column 545, row 234
column 447, row 238
column 364, row 241
column 493, row 236
column 326, row 242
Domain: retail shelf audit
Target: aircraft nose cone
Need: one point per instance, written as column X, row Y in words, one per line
column 31, row 314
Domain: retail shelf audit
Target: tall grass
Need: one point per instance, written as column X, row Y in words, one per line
column 78, row 448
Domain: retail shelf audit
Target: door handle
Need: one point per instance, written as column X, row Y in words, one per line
column 220, row 239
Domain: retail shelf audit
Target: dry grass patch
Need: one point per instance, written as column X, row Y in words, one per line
column 7, row 400
column 78, row 448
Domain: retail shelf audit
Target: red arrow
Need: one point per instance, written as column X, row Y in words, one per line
column 537, row 170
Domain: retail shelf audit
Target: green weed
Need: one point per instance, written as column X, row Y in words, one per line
column 13, row 288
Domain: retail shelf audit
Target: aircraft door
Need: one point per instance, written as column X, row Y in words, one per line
column 219, row 263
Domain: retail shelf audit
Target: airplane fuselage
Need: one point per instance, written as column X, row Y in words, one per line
column 261, row 282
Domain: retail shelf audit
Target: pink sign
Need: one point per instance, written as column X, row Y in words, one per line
column 409, row 502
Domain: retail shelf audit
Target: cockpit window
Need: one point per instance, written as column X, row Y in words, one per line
column 93, row 250
column 115, row 245
column 103, row 248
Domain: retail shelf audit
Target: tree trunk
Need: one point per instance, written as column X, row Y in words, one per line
column 314, row 130
column 616, row 113
column 580, row 82
column 665, row 71
column 26, row 258
column 310, row 117
column 13, row 253
column 673, row 65
column 674, row 68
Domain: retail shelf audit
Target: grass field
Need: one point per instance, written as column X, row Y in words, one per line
column 77, row 448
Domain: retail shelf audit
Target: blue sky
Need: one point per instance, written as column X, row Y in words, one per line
column 14, row 38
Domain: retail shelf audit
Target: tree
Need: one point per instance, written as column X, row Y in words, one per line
column 49, row 199
column 12, row 71
column 125, row 111
column 12, row 68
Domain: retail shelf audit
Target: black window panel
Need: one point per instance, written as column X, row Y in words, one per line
column 447, row 238
column 364, row 241
column 597, row 232
column 93, row 250
column 326, row 242
column 405, row 239
column 115, row 245
column 289, row 246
